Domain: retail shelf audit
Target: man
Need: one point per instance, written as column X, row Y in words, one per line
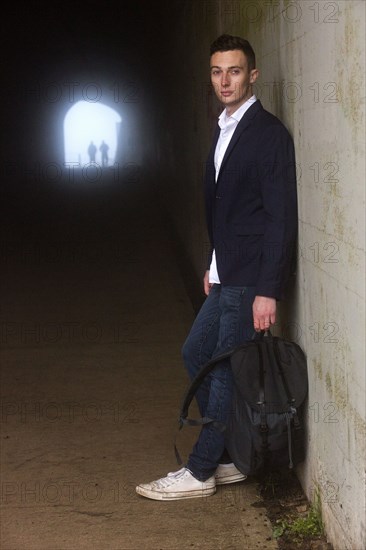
column 104, row 148
column 251, row 209
column 92, row 150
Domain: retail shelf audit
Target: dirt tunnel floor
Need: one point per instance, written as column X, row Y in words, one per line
column 93, row 319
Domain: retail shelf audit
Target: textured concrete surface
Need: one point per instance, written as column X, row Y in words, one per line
column 94, row 315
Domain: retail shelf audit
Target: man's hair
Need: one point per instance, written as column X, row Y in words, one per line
column 226, row 42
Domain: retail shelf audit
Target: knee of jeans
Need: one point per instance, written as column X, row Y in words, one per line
column 191, row 359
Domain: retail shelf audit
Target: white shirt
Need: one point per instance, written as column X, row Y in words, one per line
column 228, row 126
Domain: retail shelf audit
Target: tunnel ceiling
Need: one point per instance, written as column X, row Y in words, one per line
column 91, row 34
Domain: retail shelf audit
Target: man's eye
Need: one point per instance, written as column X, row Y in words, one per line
column 235, row 71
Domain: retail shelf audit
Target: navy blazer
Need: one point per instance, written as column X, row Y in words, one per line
column 252, row 209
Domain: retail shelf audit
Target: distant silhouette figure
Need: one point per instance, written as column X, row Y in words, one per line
column 104, row 150
column 92, row 151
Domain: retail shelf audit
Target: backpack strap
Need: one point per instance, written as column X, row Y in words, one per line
column 291, row 401
column 195, row 384
column 262, row 405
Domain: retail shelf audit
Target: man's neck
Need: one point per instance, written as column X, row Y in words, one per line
column 231, row 110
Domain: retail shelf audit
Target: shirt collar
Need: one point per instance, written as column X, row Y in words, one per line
column 238, row 114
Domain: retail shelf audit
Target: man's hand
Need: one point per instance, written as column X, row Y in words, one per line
column 206, row 285
column 264, row 312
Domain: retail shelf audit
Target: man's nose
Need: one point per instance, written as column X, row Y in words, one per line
column 225, row 80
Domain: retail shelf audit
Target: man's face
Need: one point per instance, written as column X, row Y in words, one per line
column 231, row 79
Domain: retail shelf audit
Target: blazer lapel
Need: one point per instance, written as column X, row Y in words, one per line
column 243, row 125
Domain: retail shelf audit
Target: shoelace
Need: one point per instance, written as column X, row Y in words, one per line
column 173, row 474
column 170, row 479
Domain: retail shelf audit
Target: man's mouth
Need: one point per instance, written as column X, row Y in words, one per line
column 225, row 93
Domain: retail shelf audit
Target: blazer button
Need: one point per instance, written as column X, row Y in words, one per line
column 217, row 196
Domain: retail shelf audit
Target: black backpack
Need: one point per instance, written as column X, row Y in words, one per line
column 264, row 431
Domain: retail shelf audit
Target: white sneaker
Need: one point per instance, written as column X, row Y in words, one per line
column 228, row 473
column 225, row 474
column 176, row 486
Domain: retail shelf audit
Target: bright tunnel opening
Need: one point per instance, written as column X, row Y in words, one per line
column 91, row 133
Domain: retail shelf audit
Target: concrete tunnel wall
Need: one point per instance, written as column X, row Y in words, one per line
column 311, row 58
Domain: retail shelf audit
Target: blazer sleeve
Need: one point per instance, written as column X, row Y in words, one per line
column 277, row 179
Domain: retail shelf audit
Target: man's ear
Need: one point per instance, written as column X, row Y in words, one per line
column 254, row 73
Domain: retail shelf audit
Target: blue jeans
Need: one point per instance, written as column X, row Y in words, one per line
column 224, row 321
